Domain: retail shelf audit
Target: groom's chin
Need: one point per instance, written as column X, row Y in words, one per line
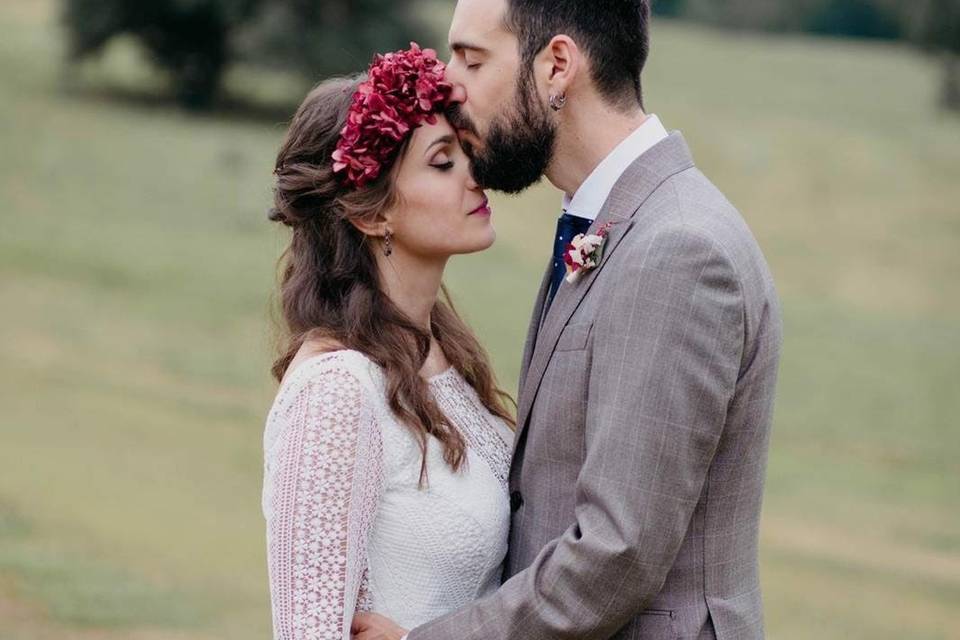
column 506, row 181
column 506, row 173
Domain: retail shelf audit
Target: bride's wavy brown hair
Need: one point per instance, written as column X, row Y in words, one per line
column 330, row 285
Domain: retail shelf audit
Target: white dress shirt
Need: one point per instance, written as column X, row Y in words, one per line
column 595, row 190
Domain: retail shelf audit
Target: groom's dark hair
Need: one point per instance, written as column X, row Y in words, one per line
column 615, row 35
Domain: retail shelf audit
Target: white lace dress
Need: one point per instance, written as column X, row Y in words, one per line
column 349, row 530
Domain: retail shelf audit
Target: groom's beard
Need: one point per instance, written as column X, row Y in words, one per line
column 518, row 147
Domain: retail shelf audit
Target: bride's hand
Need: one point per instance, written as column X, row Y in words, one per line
column 372, row 626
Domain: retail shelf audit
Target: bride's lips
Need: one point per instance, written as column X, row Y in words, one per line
column 483, row 209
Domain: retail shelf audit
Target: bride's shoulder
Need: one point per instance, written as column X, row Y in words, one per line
column 337, row 385
column 329, row 371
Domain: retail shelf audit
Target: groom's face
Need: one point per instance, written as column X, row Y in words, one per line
column 502, row 121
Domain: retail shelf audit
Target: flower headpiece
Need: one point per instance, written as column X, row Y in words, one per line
column 403, row 90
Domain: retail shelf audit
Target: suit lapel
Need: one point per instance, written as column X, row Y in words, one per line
column 637, row 183
column 536, row 319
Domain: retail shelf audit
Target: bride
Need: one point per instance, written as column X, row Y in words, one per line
column 387, row 447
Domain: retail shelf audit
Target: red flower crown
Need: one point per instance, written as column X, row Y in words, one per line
column 403, row 90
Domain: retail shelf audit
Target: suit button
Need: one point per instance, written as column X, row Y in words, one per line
column 516, row 501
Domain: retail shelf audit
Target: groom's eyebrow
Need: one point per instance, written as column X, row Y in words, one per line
column 460, row 45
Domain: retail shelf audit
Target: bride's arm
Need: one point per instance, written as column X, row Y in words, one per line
column 324, row 480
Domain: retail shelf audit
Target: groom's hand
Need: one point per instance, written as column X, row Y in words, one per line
column 372, row 626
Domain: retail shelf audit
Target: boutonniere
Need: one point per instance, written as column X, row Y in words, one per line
column 584, row 252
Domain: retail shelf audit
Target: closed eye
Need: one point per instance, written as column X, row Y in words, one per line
column 446, row 166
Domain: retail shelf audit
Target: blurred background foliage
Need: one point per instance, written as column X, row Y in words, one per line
column 888, row 19
column 196, row 40
column 931, row 24
column 136, row 270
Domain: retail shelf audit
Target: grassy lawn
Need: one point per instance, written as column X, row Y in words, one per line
column 136, row 266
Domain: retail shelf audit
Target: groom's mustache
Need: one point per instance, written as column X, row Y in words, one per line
column 459, row 119
column 463, row 124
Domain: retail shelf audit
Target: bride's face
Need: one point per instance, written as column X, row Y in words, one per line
column 441, row 211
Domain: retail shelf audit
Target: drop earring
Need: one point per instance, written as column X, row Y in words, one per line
column 387, row 243
column 558, row 101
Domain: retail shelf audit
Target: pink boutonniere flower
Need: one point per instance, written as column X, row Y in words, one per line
column 584, row 252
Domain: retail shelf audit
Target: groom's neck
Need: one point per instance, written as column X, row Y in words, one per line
column 587, row 133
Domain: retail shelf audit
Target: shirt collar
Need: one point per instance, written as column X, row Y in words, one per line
column 591, row 195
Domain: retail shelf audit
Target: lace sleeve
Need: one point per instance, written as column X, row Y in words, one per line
column 323, row 481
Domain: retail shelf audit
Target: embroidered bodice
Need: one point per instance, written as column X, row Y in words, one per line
column 348, row 527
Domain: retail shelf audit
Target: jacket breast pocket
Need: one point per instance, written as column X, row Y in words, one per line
column 574, row 337
column 654, row 623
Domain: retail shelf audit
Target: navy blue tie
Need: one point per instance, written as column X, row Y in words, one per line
column 568, row 226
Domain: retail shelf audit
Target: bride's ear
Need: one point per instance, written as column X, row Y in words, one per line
column 375, row 228
column 562, row 63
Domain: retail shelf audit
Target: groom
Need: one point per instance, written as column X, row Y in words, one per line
column 647, row 386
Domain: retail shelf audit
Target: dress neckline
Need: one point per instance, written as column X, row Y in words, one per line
column 437, row 377
column 434, row 379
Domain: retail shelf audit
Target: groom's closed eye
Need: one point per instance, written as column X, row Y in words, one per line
column 471, row 55
column 472, row 60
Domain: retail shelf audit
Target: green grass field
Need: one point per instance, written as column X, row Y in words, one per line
column 136, row 266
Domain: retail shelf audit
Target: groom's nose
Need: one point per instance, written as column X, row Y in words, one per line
column 459, row 94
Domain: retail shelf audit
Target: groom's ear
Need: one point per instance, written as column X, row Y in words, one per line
column 563, row 59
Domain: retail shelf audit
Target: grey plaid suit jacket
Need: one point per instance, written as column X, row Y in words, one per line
column 644, row 420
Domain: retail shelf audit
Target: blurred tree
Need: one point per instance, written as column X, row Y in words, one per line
column 937, row 29
column 188, row 38
column 195, row 40
column 767, row 15
column 319, row 38
column 669, row 8
column 857, row 18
